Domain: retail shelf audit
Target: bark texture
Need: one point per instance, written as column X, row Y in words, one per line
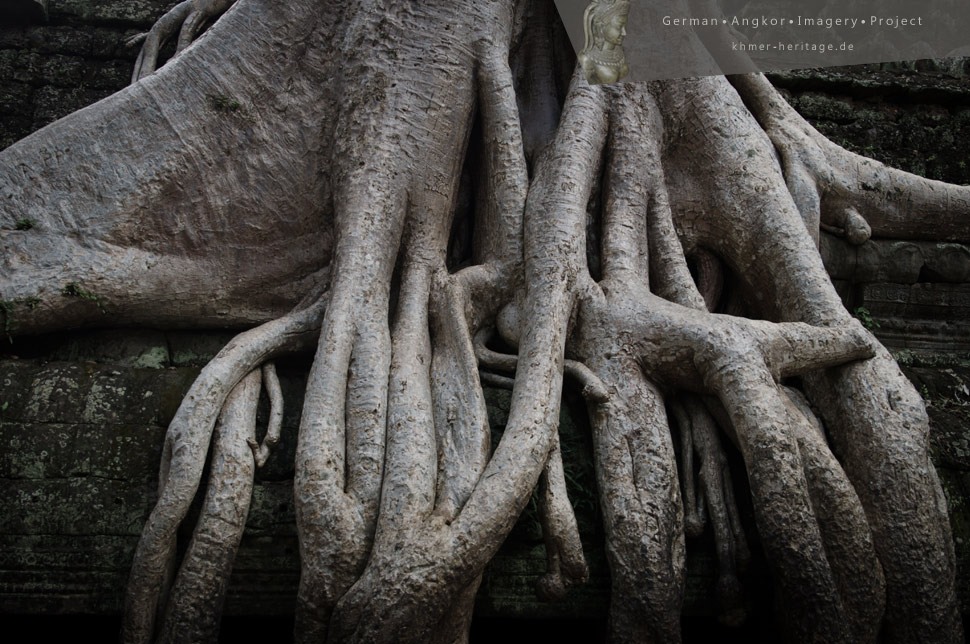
column 428, row 197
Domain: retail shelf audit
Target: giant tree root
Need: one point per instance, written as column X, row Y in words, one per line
column 186, row 445
column 566, row 564
column 715, row 498
column 194, row 606
column 362, row 114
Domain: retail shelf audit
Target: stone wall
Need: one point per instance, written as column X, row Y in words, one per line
column 78, row 55
column 82, row 414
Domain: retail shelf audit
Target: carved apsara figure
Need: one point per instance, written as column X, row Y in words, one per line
column 604, row 27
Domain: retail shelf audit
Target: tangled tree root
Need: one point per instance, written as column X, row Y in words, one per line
column 583, row 231
column 194, row 604
column 187, row 18
column 183, row 458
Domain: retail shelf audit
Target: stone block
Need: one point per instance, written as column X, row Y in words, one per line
column 922, row 301
column 62, row 71
column 956, row 487
column 131, row 347
column 895, row 261
column 14, row 129
column 123, row 452
column 111, row 75
column 38, row 451
column 946, row 391
column 54, row 574
column 19, row 66
column 191, row 349
column 90, row 393
column 74, row 506
column 271, row 511
column 142, row 13
column 79, row 482
column 950, row 263
column 15, row 37
column 52, row 103
column 12, row 96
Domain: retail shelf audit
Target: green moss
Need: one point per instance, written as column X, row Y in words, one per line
column 8, row 313
column 225, row 104
column 73, row 289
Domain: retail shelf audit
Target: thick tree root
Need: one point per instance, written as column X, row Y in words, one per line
column 399, row 505
column 770, row 267
column 413, row 590
column 848, row 540
column 740, row 361
column 890, row 420
column 194, row 607
column 695, row 514
column 340, row 454
column 640, row 496
column 186, row 445
column 261, row 451
column 187, row 18
column 848, row 193
column 566, row 564
column 718, row 493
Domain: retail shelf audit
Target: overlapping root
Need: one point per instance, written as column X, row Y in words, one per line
column 831, row 582
column 847, row 194
column 870, row 408
column 194, row 605
column 566, row 564
column 187, row 18
column 429, row 549
column 204, row 571
column 399, row 503
column 713, row 498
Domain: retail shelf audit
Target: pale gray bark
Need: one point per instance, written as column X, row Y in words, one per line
column 300, row 165
column 195, row 601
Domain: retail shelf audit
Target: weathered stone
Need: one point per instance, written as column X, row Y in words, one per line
column 136, row 348
column 94, row 394
column 119, row 451
column 914, row 121
column 946, row 390
column 49, row 446
column 55, row 575
column 137, row 12
column 21, row 67
column 927, row 301
column 895, row 261
column 51, row 103
column 956, row 487
column 195, row 349
column 84, row 506
column 951, row 263
column 77, row 492
column 272, row 511
column 39, row 451
column 509, row 586
column 12, row 94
